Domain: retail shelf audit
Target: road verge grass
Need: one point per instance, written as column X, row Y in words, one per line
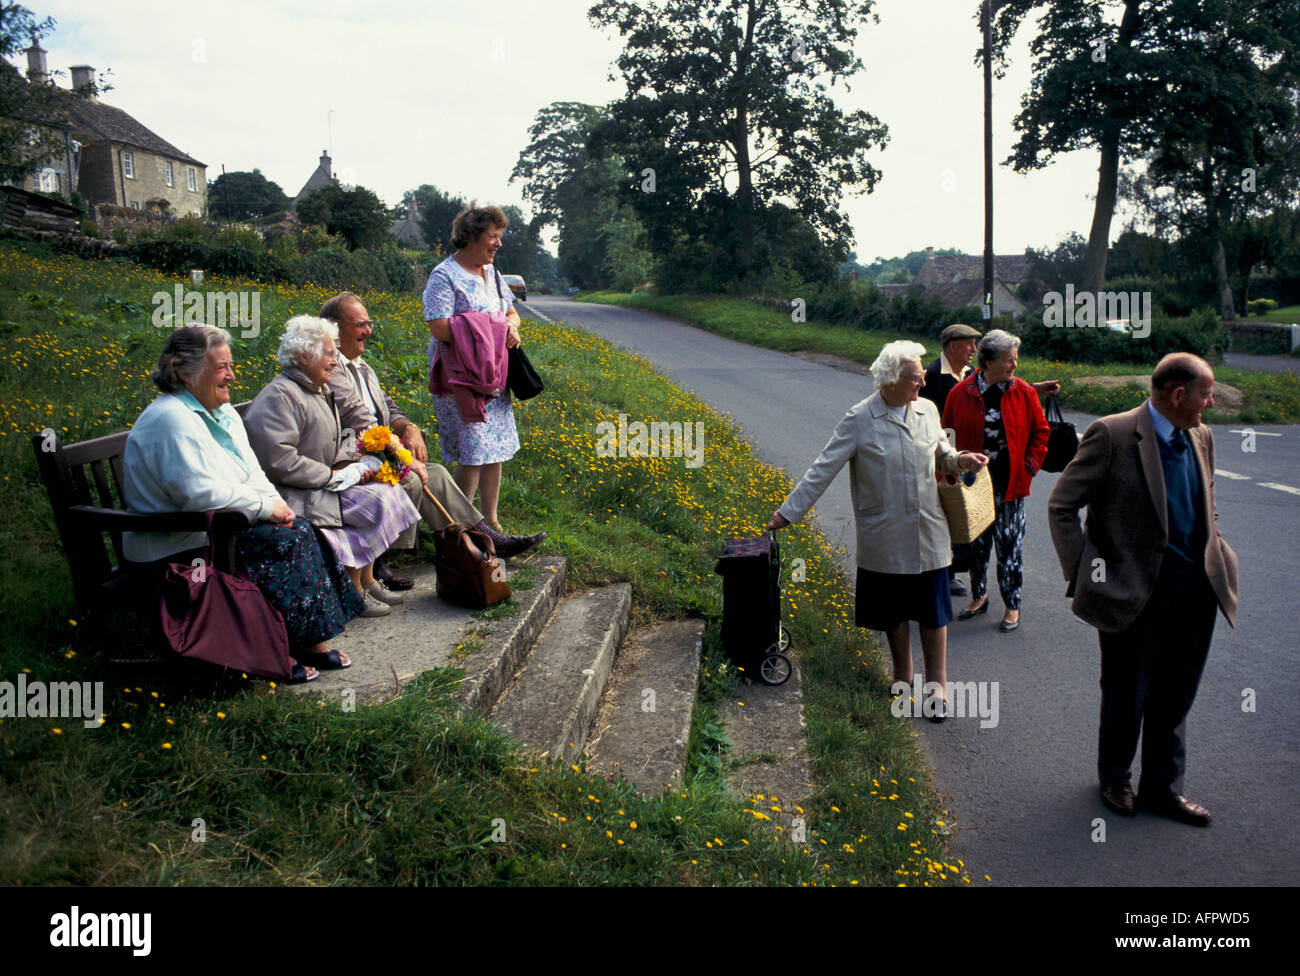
column 1267, row 397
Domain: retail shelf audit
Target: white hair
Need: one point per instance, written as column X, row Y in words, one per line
column 304, row 335
column 889, row 364
column 995, row 345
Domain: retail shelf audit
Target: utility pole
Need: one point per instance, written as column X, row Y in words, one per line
column 986, row 16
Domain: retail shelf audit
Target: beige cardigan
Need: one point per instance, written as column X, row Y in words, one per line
column 901, row 527
column 297, row 434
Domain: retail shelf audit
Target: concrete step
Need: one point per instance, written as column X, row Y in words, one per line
column 423, row 633
column 644, row 721
column 552, row 700
column 769, row 749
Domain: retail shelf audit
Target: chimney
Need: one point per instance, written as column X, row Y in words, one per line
column 37, row 73
column 82, row 75
column 929, row 252
column 325, row 163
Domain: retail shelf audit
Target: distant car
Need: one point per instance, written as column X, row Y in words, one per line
column 517, row 286
column 573, row 290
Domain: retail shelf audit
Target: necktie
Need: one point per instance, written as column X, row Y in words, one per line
column 1179, row 441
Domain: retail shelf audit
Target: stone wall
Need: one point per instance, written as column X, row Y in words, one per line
column 1263, row 333
column 110, row 218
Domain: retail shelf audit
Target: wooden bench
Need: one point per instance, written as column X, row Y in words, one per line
column 84, row 484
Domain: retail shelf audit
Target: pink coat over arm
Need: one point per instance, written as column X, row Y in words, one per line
column 473, row 367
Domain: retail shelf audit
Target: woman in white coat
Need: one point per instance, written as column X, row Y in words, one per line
column 896, row 447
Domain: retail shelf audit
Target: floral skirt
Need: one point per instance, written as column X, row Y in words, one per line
column 494, row 439
column 301, row 577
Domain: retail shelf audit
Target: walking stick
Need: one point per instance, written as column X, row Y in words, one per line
column 433, row 499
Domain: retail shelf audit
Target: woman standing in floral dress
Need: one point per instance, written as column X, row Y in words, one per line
column 468, row 282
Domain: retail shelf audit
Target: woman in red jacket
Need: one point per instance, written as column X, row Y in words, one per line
column 999, row 415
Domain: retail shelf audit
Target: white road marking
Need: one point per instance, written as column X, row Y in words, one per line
column 1287, row 488
column 534, row 312
column 1231, row 474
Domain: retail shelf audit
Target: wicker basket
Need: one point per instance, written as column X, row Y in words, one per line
column 969, row 510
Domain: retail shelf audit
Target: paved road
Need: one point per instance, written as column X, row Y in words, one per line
column 1024, row 792
column 1265, row 364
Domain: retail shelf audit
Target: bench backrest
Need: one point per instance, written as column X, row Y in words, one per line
column 88, row 473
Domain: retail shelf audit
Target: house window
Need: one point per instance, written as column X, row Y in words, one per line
column 135, row 204
column 128, row 165
column 189, row 175
column 49, row 181
column 167, row 174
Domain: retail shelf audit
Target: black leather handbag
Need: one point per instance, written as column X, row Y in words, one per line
column 1062, row 442
column 522, row 379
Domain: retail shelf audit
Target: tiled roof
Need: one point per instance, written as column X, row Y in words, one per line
column 115, row 125
column 317, row 181
column 1009, row 268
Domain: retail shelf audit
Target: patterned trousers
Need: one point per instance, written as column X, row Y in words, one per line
column 1007, row 535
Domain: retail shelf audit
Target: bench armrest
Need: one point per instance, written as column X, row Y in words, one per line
column 227, row 522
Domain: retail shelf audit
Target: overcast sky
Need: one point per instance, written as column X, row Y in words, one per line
column 406, row 92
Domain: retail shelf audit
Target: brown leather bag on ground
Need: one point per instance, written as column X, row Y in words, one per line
column 470, row 574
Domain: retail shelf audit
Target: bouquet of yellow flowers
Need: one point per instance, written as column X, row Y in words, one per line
column 381, row 443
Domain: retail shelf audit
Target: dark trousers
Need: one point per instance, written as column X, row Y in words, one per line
column 1149, row 676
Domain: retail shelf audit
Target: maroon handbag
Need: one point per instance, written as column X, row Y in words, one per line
column 222, row 619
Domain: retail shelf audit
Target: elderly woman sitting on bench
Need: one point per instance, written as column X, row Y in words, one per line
column 188, row 452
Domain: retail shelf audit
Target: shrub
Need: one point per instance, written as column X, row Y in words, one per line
column 398, row 269
column 1261, row 305
column 169, row 255
column 241, row 234
column 315, row 238
column 337, row 268
column 1200, row 333
column 187, row 229
column 238, row 261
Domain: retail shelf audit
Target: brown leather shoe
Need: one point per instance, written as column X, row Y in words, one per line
column 1177, row 807
column 391, row 580
column 1119, row 798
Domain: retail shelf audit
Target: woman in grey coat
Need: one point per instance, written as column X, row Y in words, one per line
column 895, row 444
column 314, row 462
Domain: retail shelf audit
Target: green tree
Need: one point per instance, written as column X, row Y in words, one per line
column 574, row 187
column 437, row 210
column 727, row 108
column 250, row 195
column 34, row 122
column 1121, row 76
column 358, row 215
column 1218, row 172
column 519, row 244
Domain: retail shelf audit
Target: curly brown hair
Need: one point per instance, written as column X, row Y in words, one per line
column 475, row 221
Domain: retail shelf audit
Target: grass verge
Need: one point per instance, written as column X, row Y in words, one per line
column 198, row 779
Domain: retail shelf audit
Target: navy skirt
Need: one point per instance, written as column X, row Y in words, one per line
column 300, row 575
column 885, row 600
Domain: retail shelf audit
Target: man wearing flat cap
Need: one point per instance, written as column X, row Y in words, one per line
column 958, row 342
